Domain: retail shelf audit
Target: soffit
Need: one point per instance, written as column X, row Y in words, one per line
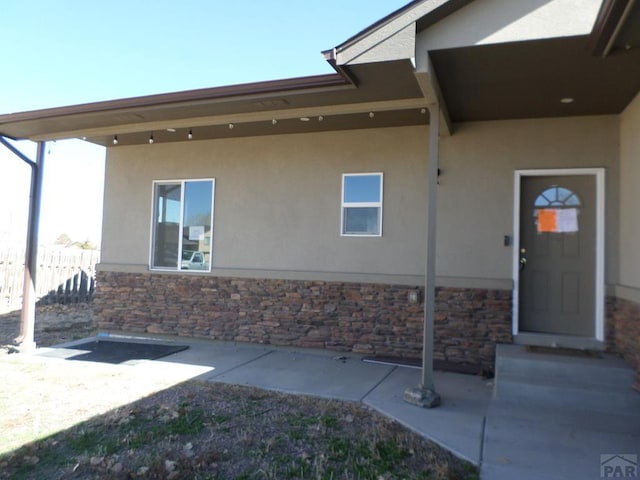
column 391, row 86
column 528, row 79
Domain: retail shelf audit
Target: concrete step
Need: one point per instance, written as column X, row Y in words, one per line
column 607, row 421
column 525, row 442
column 607, row 371
column 553, row 416
column 589, row 383
column 537, row 391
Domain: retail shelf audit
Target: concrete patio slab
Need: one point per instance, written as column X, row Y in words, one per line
column 321, row 374
column 220, row 357
column 508, row 436
column 457, row 424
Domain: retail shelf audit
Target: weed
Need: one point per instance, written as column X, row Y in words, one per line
column 299, row 438
column 220, row 418
column 329, row 421
column 389, row 454
column 188, row 422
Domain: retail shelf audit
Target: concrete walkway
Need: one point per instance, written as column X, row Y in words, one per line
column 506, row 439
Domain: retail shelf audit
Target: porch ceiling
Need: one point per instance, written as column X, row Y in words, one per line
column 389, row 90
column 528, row 79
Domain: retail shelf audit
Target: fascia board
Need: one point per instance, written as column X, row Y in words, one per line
column 370, row 39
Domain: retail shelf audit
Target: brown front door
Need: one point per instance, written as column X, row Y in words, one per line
column 557, row 255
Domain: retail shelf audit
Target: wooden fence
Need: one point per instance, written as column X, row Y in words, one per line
column 64, row 275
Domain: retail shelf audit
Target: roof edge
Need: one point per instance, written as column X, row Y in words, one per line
column 338, row 79
column 422, row 13
column 331, row 53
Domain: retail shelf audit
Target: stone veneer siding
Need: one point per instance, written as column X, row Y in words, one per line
column 364, row 318
column 623, row 332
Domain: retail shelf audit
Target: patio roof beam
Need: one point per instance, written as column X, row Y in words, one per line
column 16, row 152
column 236, row 118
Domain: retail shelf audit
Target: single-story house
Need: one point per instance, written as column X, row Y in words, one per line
column 299, row 211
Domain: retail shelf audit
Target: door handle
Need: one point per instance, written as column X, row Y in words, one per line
column 523, row 258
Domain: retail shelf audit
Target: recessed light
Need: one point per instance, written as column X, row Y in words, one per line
column 566, row 100
column 171, row 130
column 304, row 119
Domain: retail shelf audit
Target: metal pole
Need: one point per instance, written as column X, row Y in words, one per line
column 425, row 394
column 28, row 316
column 430, row 271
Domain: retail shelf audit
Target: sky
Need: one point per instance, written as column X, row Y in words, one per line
column 70, row 52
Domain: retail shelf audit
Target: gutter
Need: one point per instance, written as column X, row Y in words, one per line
column 301, row 83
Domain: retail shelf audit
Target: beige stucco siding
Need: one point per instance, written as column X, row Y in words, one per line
column 477, row 184
column 630, row 196
column 277, row 199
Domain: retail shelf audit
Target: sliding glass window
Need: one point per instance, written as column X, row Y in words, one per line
column 182, row 235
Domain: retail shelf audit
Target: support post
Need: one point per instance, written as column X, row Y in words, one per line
column 425, row 395
column 26, row 339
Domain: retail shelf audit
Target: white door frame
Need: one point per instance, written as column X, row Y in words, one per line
column 599, row 174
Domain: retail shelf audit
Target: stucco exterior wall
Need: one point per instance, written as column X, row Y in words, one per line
column 277, row 199
column 630, row 197
column 476, row 192
column 500, row 21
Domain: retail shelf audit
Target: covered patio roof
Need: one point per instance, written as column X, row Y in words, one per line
column 599, row 73
column 343, row 100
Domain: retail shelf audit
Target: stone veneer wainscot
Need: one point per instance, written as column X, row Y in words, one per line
column 623, row 332
column 364, row 318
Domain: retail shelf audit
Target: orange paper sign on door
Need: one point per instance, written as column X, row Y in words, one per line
column 547, row 220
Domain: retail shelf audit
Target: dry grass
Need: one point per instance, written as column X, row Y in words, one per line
column 76, row 420
column 212, row 431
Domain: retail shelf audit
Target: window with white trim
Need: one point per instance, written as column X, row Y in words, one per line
column 182, row 233
column 362, row 204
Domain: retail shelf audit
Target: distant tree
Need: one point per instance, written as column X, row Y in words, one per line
column 86, row 245
column 63, row 240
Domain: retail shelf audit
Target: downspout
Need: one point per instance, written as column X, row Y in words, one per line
column 26, row 339
column 425, row 395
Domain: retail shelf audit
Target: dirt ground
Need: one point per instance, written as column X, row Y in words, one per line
column 85, row 420
column 55, row 324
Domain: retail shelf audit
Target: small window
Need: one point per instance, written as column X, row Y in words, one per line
column 182, row 225
column 362, row 204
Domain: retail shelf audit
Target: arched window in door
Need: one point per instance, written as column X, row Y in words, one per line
column 557, row 197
